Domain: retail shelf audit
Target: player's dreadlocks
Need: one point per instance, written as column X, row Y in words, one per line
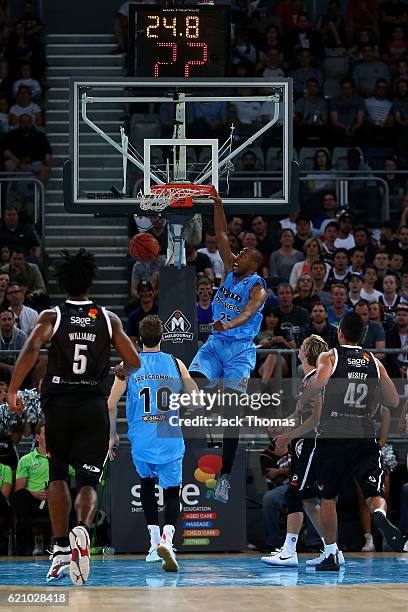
column 75, row 272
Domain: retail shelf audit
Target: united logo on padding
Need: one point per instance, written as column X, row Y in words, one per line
column 177, row 328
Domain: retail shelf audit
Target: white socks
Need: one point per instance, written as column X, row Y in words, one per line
column 168, row 533
column 380, row 510
column 290, row 542
column 154, row 531
column 330, row 549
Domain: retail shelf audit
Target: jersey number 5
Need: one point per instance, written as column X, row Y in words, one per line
column 80, row 360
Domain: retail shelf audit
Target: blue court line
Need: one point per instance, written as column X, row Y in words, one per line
column 210, row 572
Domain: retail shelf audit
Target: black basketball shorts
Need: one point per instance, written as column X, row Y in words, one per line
column 302, row 469
column 77, row 431
column 338, row 458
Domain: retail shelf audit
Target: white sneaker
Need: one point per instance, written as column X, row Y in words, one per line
column 166, row 553
column 406, row 546
column 60, row 557
column 80, row 560
column 152, row 556
column 282, row 557
column 322, row 556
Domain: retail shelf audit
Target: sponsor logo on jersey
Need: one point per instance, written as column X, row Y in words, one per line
column 91, row 468
column 93, row 313
column 372, row 479
column 82, row 321
column 177, row 328
column 359, row 362
column 56, row 380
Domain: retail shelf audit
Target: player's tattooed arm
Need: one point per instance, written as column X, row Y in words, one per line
column 257, row 299
column 324, row 368
column 28, row 356
column 388, row 393
column 124, row 345
column 310, row 423
column 221, row 232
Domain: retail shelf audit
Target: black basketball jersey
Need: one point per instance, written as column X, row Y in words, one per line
column 78, row 358
column 350, row 394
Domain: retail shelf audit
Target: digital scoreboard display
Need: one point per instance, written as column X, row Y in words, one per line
column 179, row 41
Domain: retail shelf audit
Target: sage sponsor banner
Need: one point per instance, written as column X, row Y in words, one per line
column 204, row 524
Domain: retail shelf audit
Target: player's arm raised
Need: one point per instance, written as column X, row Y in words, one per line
column 388, row 393
column 123, row 344
column 28, row 356
column 257, row 298
column 221, row 232
column 324, row 368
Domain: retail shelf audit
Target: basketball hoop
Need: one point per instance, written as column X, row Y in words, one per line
column 175, row 195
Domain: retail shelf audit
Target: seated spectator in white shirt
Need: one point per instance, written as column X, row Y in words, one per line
column 345, row 238
column 27, row 80
column 211, row 250
column 379, row 106
column 368, row 291
column 26, row 317
column 25, row 106
column 271, row 67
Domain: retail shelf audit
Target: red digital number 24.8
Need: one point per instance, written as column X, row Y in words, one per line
column 173, row 47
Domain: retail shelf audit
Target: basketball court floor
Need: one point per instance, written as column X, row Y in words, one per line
column 219, row 583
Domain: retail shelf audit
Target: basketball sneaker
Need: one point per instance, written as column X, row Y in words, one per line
column 329, row 564
column 60, row 557
column 322, row 556
column 392, row 534
column 80, row 559
column 152, row 556
column 280, row 557
column 166, row 553
column 221, row 491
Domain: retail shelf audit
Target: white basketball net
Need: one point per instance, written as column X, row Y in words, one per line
column 163, row 196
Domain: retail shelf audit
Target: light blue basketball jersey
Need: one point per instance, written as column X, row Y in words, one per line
column 155, row 437
column 230, row 300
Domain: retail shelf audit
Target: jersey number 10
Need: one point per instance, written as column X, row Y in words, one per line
column 162, row 399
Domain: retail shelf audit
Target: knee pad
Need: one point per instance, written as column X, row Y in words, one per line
column 87, row 476
column 293, row 500
column 58, row 469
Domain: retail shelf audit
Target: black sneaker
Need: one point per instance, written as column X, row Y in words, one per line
column 329, row 564
column 392, row 534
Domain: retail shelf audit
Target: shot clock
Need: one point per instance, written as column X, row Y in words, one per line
column 179, row 41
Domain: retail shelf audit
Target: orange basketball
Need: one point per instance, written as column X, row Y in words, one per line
column 144, row 247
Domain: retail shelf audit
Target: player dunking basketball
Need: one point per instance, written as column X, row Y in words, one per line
column 74, row 403
column 353, row 380
column 156, row 439
column 229, row 353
